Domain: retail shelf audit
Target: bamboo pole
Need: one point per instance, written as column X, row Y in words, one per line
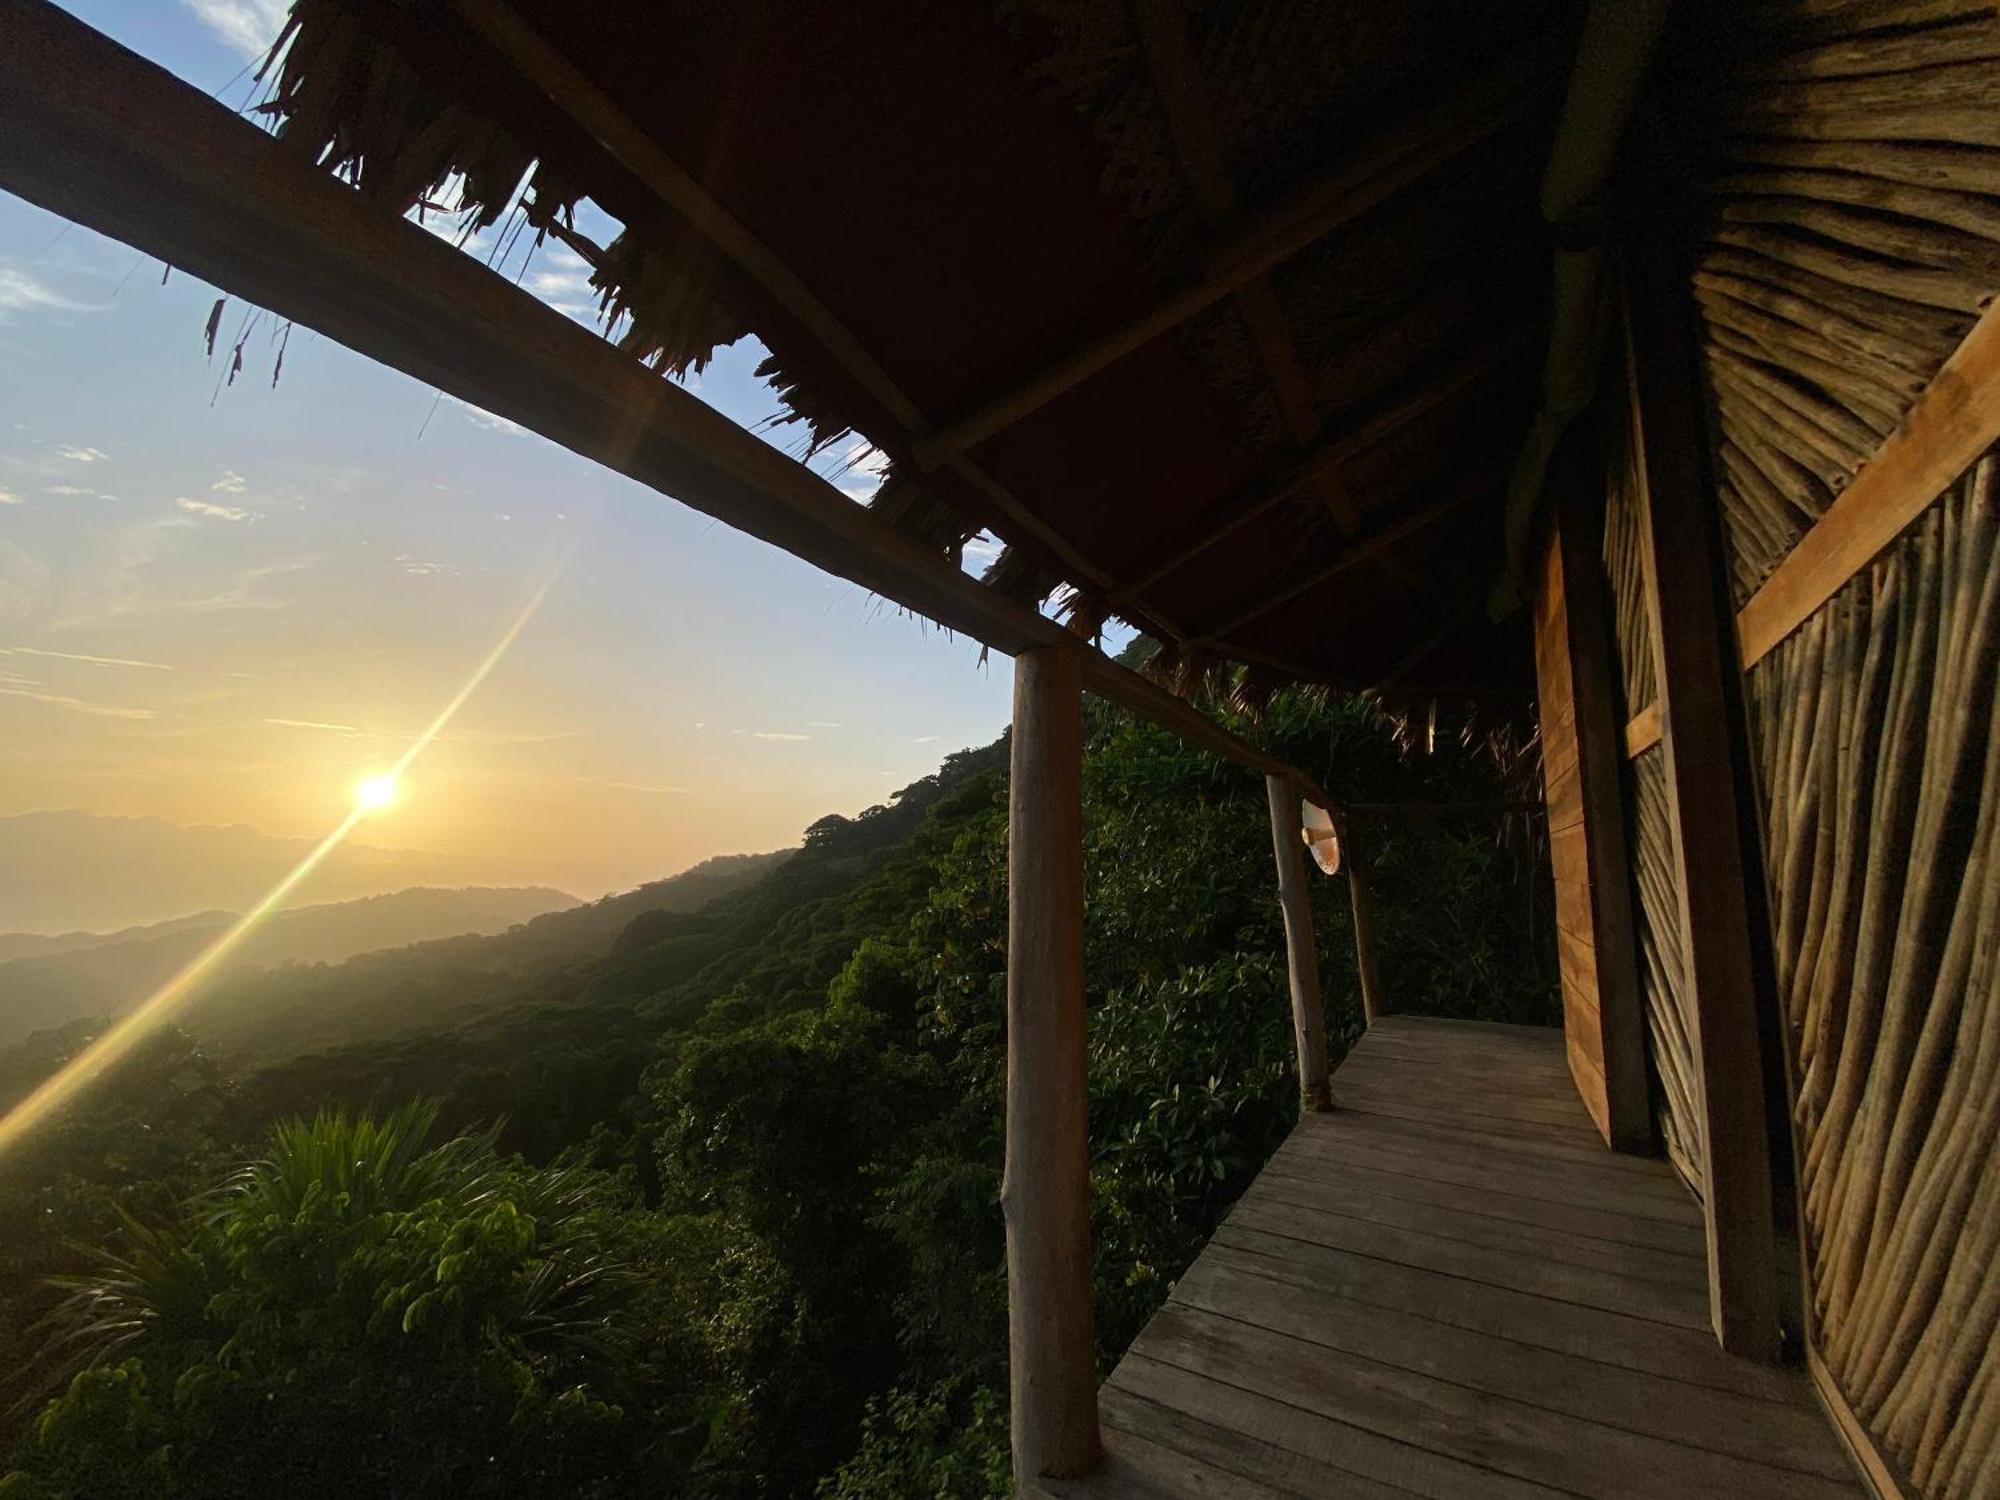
column 1045, row 1190
column 1301, row 953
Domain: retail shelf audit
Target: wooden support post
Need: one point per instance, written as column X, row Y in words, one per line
column 1361, row 897
column 1694, row 650
column 1604, row 1021
column 1301, row 952
column 1051, row 1336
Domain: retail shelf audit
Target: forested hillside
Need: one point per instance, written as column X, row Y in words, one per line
column 53, row 981
column 712, row 1211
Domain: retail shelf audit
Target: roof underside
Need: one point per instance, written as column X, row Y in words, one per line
column 976, row 192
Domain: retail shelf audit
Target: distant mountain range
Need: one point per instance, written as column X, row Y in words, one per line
column 47, row 982
column 63, row 870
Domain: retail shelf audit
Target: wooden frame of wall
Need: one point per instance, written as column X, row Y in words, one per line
column 1604, row 1022
column 1692, row 654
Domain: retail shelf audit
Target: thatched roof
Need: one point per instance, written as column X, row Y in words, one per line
column 976, row 192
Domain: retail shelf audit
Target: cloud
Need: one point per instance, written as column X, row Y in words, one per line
column 926, row 739
column 245, row 27
column 22, row 578
column 343, row 729
column 640, row 786
column 8, row 497
column 23, row 291
column 478, row 416
column 96, row 661
column 78, row 455
column 778, row 735
column 461, row 736
column 421, row 568
column 68, row 489
column 59, row 700
column 820, row 724
column 212, row 511
column 231, row 483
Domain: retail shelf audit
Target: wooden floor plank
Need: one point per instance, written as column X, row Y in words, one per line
column 1388, row 1094
column 1520, row 1273
column 1553, row 1182
column 1783, row 1436
column 1494, row 1432
column 1611, row 1338
column 1336, row 1171
column 1326, row 1440
column 1229, row 1452
column 1685, row 1274
column 1478, row 1143
column 1448, row 1287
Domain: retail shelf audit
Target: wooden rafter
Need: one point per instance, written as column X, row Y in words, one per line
column 96, row 134
column 1361, row 551
column 1334, row 450
column 1390, row 162
column 599, row 117
column 1177, row 83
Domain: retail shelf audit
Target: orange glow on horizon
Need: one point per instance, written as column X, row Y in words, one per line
column 372, row 795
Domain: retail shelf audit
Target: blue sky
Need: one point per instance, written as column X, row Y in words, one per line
column 224, row 603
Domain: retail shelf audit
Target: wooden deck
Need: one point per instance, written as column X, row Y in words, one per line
column 1450, row 1288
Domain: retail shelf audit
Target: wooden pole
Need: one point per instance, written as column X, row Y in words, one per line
column 1045, row 1192
column 1374, row 1003
column 1301, row 952
column 1692, row 653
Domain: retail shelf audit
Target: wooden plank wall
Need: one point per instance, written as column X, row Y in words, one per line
column 1847, row 158
column 1604, row 1033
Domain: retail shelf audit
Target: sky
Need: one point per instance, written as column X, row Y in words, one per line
column 227, row 603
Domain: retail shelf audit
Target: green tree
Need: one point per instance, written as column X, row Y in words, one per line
column 359, row 1313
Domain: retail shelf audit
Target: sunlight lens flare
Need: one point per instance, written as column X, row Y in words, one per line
column 373, row 794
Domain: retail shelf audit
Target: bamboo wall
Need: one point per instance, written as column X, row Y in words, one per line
column 1878, row 747
column 1848, row 237
column 1649, row 838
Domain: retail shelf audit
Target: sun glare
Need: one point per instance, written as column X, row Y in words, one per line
column 371, row 795
column 375, row 793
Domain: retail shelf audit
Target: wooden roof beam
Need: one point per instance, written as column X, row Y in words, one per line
column 1365, row 550
column 1177, row 83
column 92, row 132
column 1392, row 161
column 1335, row 450
column 595, row 113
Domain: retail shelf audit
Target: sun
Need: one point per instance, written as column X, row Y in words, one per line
column 375, row 793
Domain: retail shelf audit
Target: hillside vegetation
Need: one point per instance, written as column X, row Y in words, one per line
column 713, row 1210
column 81, row 976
